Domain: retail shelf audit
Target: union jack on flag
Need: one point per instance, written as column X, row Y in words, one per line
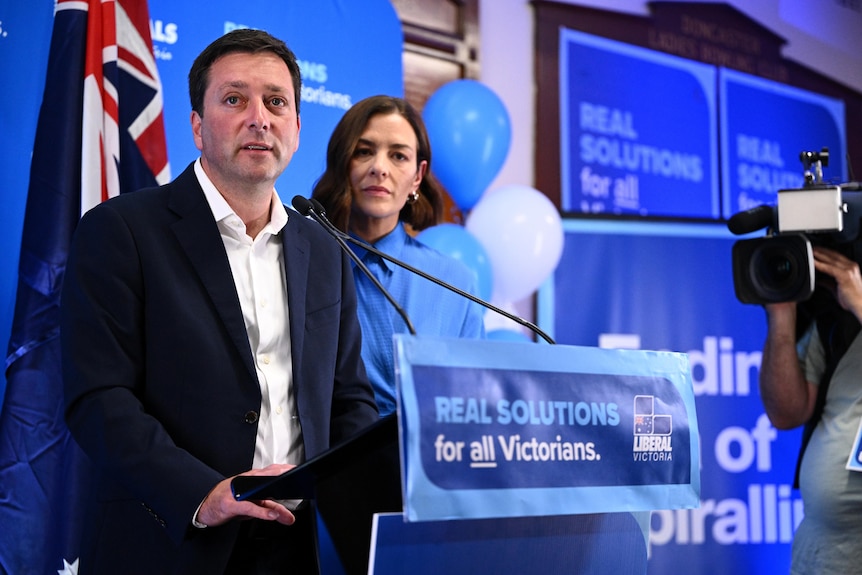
column 100, row 133
column 118, row 41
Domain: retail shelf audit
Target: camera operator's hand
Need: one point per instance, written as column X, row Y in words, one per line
column 848, row 278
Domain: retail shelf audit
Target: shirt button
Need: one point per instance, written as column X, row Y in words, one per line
column 278, row 410
column 251, row 416
column 265, row 359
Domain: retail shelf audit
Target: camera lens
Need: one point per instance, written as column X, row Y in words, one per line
column 773, row 269
column 777, row 271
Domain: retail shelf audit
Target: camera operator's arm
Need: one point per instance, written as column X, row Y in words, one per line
column 848, row 279
column 788, row 398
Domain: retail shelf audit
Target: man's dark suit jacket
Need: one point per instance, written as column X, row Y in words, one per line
column 160, row 384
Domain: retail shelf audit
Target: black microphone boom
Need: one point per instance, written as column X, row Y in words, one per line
column 314, row 208
column 304, row 207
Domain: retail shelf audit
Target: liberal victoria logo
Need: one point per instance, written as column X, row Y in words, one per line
column 652, row 431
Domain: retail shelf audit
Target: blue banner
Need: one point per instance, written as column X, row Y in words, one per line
column 765, row 125
column 673, row 290
column 509, row 429
column 638, row 130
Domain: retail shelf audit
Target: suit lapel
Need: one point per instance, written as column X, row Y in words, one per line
column 199, row 237
column 297, row 253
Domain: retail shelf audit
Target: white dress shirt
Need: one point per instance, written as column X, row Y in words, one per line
column 258, row 271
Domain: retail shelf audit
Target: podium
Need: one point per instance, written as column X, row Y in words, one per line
column 507, row 457
column 347, row 485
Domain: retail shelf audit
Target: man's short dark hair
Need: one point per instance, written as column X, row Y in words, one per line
column 243, row 40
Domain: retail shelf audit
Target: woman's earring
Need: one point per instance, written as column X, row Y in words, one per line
column 412, row 198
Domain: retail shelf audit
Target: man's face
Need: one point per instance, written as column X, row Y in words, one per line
column 249, row 130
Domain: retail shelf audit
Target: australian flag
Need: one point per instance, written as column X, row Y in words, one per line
column 100, row 133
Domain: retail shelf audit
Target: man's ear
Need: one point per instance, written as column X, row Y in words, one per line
column 196, row 129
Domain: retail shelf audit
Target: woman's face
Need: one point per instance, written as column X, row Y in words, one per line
column 383, row 173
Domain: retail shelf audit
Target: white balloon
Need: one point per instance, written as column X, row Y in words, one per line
column 522, row 233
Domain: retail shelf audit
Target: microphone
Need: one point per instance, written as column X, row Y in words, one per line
column 751, row 220
column 304, row 207
column 319, row 216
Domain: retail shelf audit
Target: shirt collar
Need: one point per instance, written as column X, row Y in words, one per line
column 391, row 244
column 221, row 209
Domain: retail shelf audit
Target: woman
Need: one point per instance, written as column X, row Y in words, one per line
column 377, row 179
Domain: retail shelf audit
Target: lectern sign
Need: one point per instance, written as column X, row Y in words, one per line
column 494, row 429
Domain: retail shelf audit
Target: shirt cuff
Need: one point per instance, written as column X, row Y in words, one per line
column 195, row 523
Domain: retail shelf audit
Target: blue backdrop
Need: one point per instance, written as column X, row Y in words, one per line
column 670, row 287
column 25, row 36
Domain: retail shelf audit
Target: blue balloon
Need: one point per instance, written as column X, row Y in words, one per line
column 456, row 242
column 470, row 133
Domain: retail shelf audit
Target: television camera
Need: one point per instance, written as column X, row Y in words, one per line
column 780, row 266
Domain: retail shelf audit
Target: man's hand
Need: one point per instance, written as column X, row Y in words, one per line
column 219, row 506
column 848, row 279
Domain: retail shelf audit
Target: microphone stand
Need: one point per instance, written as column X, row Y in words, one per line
column 300, row 206
column 316, row 211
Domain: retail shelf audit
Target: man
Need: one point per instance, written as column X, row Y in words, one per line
column 829, row 539
column 199, row 341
